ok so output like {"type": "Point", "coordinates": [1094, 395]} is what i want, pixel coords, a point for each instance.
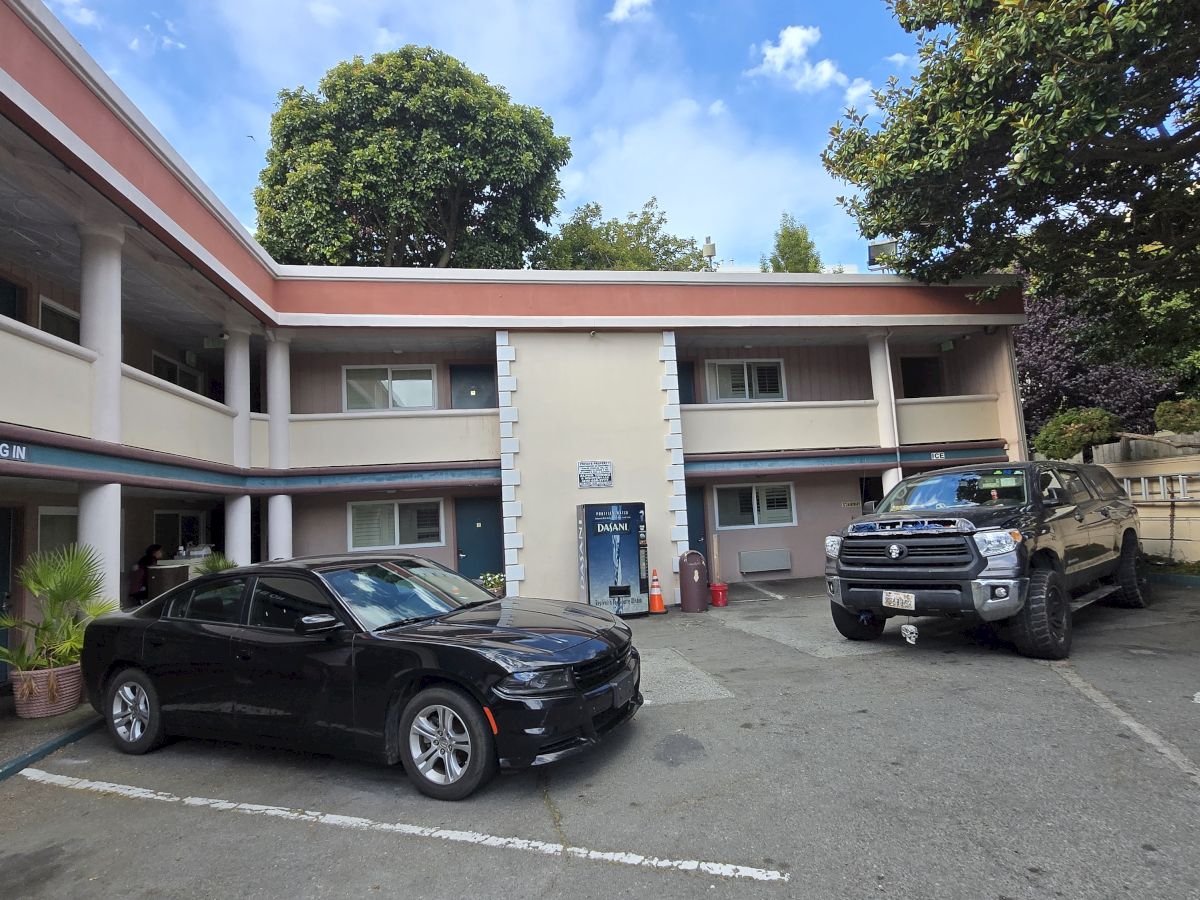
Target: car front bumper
{"type": "Point", "coordinates": [976, 598]}
{"type": "Point", "coordinates": [532, 731]}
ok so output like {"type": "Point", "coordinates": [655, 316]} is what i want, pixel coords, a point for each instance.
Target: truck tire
{"type": "Point", "coordinates": [852, 627]}
{"type": "Point", "coordinates": [1133, 591]}
{"type": "Point", "coordinates": [1042, 629]}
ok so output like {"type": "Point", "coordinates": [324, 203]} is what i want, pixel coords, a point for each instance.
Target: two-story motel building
{"type": "Point", "coordinates": [163, 380]}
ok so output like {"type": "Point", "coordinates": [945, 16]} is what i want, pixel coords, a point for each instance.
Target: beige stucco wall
{"type": "Point", "coordinates": [155, 418]}
{"type": "Point", "coordinates": [932, 420]}
{"type": "Point", "coordinates": [585, 397]}
{"type": "Point", "coordinates": [738, 427]}
{"type": "Point", "coordinates": [367, 439]}
{"type": "Point", "coordinates": [44, 387]}
{"type": "Point", "coordinates": [260, 441]}
{"type": "Point", "coordinates": [819, 511]}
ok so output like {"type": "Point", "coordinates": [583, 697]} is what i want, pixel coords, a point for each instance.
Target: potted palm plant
{"type": "Point", "coordinates": [66, 587]}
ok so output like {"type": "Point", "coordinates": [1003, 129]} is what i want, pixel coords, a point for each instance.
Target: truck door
{"type": "Point", "coordinates": [1094, 529]}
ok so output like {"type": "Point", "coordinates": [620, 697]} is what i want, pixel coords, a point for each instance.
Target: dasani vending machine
{"type": "Point", "coordinates": [613, 571]}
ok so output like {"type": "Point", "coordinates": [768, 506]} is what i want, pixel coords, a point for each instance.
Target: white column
{"type": "Point", "coordinates": [885, 396]}
{"type": "Point", "coordinates": [237, 528]}
{"type": "Point", "coordinates": [100, 322]}
{"type": "Point", "coordinates": [100, 528]}
{"type": "Point", "coordinates": [279, 405]}
{"type": "Point", "coordinates": [237, 397]}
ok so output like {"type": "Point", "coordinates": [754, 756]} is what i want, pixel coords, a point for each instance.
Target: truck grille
{"type": "Point", "coordinates": [925, 552]}
{"type": "Point", "coordinates": [597, 671]}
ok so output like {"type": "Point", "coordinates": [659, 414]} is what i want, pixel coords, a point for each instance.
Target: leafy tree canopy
{"type": "Point", "coordinates": [1042, 133]}
{"type": "Point", "coordinates": [640, 243]}
{"type": "Point", "coordinates": [794, 250]}
{"type": "Point", "coordinates": [410, 159]}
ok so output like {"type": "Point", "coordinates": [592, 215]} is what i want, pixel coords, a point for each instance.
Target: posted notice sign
{"type": "Point", "coordinates": [595, 473]}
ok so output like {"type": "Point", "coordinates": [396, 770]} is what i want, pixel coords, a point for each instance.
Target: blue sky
{"type": "Point", "coordinates": [720, 108]}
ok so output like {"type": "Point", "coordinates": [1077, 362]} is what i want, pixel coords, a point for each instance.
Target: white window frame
{"type": "Point", "coordinates": [55, 511]}
{"type": "Point", "coordinates": [713, 383]}
{"type": "Point", "coordinates": [44, 301]}
{"type": "Point", "coordinates": [755, 487]}
{"type": "Point", "coordinates": [180, 367]}
{"type": "Point", "coordinates": [395, 504]}
{"type": "Point", "coordinates": [431, 368]}
{"type": "Point", "coordinates": [201, 514]}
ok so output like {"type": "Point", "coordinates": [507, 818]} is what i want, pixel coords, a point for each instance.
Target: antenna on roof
{"type": "Point", "coordinates": [708, 251]}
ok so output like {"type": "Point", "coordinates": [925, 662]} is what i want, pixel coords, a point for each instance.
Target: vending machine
{"type": "Point", "coordinates": [613, 571]}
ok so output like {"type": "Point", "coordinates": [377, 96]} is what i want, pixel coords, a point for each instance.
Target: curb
{"type": "Point", "coordinates": [15, 765]}
{"type": "Point", "coordinates": [1192, 581]}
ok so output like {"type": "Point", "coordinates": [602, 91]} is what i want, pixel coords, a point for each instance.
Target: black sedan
{"type": "Point", "coordinates": [394, 658]}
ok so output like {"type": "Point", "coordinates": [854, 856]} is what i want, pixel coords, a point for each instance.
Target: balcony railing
{"type": "Point", "coordinates": [48, 381]}
{"type": "Point", "coordinates": [759, 427]}
{"type": "Point", "coordinates": [935, 420]}
{"type": "Point", "coordinates": [158, 415]}
{"type": "Point", "coordinates": [388, 438]}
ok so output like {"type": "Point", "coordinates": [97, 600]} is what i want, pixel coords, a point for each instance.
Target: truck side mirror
{"type": "Point", "coordinates": [868, 506]}
{"type": "Point", "coordinates": [1054, 497]}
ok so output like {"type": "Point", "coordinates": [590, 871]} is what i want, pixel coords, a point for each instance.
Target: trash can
{"type": "Point", "coordinates": [720, 593]}
{"type": "Point", "coordinates": [693, 582]}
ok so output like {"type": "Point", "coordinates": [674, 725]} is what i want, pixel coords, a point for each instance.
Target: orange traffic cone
{"type": "Point", "coordinates": [656, 599]}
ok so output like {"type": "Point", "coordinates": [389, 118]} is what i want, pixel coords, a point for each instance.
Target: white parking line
{"type": "Point", "coordinates": [1151, 737]}
{"type": "Point", "coordinates": [727, 870]}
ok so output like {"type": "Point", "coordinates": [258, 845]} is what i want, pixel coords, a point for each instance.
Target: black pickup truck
{"type": "Point", "coordinates": [1024, 545]}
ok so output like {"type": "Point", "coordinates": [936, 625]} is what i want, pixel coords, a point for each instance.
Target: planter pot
{"type": "Point", "coordinates": [47, 692]}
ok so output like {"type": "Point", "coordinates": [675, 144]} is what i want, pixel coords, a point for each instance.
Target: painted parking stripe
{"type": "Point", "coordinates": [726, 870]}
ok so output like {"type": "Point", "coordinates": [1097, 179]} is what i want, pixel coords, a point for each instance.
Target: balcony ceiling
{"type": "Point", "coordinates": [751, 338]}
{"type": "Point", "coordinates": [41, 203]}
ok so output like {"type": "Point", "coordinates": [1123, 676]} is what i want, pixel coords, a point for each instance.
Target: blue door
{"type": "Point", "coordinates": [695, 517]}
{"type": "Point", "coordinates": [8, 519]}
{"type": "Point", "coordinates": [480, 535]}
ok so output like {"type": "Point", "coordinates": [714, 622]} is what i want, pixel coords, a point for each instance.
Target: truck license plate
{"type": "Point", "coordinates": [899, 600]}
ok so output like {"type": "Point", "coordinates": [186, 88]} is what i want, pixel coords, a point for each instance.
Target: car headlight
{"type": "Point", "coordinates": [538, 681]}
{"type": "Point", "coordinates": [993, 543]}
{"type": "Point", "coordinates": [833, 546]}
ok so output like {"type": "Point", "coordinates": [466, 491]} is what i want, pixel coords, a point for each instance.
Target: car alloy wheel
{"type": "Point", "coordinates": [440, 744]}
{"type": "Point", "coordinates": [130, 712]}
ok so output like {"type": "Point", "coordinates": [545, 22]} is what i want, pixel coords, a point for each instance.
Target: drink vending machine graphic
{"type": "Point", "coordinates": [613, 571]}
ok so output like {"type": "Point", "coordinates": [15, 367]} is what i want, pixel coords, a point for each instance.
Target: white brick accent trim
{"type": "Point", "coordinates": [673, 447]}
{"type": "Point", "coordinates": [679, 533]}
{"type": "Point", "coordinates": [514, 541]}
{"type": "Point", "coordinates": [506, 429]}
{"type": "Point", "coordinates": [509, 414]}
{"type": "Point", "coordinates": [503, 368]}
{"type": "Point", "coordinates": [510, 445]}
{"type": "Point", "coordinates": [674, 441]}
{"type": "Point", "coordinates": [514, 508]}
{"type": "Point", "coordinates": [505, 353]}
{"type": "Point", "coordinates": [506, 384]}
{"type": "Point", "coordinates": [676, 503]}
{"type": "Point", "coordinates": [510, 475]}
{"type": "Point", "coordinates": [508, 493]}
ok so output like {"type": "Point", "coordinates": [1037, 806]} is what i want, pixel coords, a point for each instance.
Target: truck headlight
{"type": "Point", "coordinates": [538, 681]}
{"type": "Point", "coordinates": [993, 543]}
{"type": "Point", "coordinates": [833, 546]}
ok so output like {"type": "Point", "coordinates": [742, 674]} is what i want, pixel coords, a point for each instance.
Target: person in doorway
{"type": "Point", "coordinates": [139, 588]}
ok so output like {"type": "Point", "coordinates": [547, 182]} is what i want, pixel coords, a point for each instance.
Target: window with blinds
{"type": "Point", "coordinates": [746, 380]}
{"type": "Point", "coordinates": [755, 506]}
{"type": "Point", "coordinates": [392, 525]}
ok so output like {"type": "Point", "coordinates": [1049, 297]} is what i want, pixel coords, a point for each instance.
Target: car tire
{"type": "Point", "coordinates": [852, 627]}
{"type": "Point", "coordinates": [132, 712]}
{"type": "Point", "coordinates": [446, 746]}
{"type": "Point", "coordinates": [1042, 629]}
{"type": "Point", "coordinates": [1134, 592]}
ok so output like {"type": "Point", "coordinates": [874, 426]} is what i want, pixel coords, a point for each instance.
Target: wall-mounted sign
{"type": "Point", "coordinates": [937, 454]}
{"type": "Point", "coordinates": [851, 504]}
{"type": "Point", "coordinates": [13, 451]}
{"type": "Point", "coordinates": [595, 473]}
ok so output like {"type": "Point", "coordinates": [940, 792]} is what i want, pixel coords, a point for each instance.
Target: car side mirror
{"type": "Point", "coordinates": [868, 506]}
{"type": "Point", "coordinates": [321, 623]}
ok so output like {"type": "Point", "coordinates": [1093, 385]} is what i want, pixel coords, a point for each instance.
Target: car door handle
{"type": "Point", "coordinates": [156, 641]}
{"type": "Point", "coordinates": [1104, 512]}
{"type": "Point", "coordinates": [1079, 517]}
{"type": "Point", "coordinates": [244, 655]}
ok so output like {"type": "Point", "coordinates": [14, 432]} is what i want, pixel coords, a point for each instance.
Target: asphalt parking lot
{"type": "Point", "coordinates": [772, 759]}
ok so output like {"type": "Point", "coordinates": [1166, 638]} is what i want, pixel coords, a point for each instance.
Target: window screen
{"type": "Point", "coordinates": [764, 504]}
{"type": "Point", "coordinates": [281, 602]}
{"type": "Point", "coordinates": [378, 525]}
{"type": "Point", "coordinates": [372, 525]}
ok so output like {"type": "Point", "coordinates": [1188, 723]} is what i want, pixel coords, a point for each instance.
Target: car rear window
{"type": "Point", "coordinates": [219, 601]}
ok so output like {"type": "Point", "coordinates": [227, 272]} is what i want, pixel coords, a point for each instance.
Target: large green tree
{"type": "Point", "coordinates": [640, 242]}
{"type": "Point", "coordinates": [1059, 136]}
{"type": "Point", "coordinates": [409, 159]}
{"type": "Point", "coordinates": [794, 250]}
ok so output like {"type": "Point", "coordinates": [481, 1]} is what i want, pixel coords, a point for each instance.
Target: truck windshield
{"type": "Point", "coordinates": [951, 490]}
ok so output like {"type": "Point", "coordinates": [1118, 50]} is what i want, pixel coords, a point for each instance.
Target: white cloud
{"type": "Point", "coordinates": [134, 44]}
{"type": "Point", "coordinates": [717, 108]}
{"type": "Point", "coordinates": [623, 10]}
{"type": "Point", "coordinates": [77, 12]}
{"type": "Point", "coordinates": [788, 61]}
{"type": "Point", "coordinates": [325, 14]}
{"type": "Point", "coordinates": [859, 88]}
{"type": "Point", "coordinates": [901, 60]}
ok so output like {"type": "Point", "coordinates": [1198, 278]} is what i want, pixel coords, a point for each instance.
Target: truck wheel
{"type": "Point", "coordinates": [1042, 629]}
{"type": "Point", "coordinates": [852, 627]}
{"type": "Point", "coordinates": [1133, 591]}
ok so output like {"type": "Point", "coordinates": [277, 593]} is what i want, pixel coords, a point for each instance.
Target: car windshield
{"type": "Point", "coordinates": [956, 490]}
{"type": "Point", "coordinates": [383, 595]}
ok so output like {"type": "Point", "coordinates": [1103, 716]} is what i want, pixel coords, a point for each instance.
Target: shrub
{"type": "Point", "coordinates": [1179, 416]}
{"type": "Point", "coordinates": [1074, 430]}
{"type": "Point", "coordinates": [214, 563]}
{"type": "Point", "coordinates": [493, 581]}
